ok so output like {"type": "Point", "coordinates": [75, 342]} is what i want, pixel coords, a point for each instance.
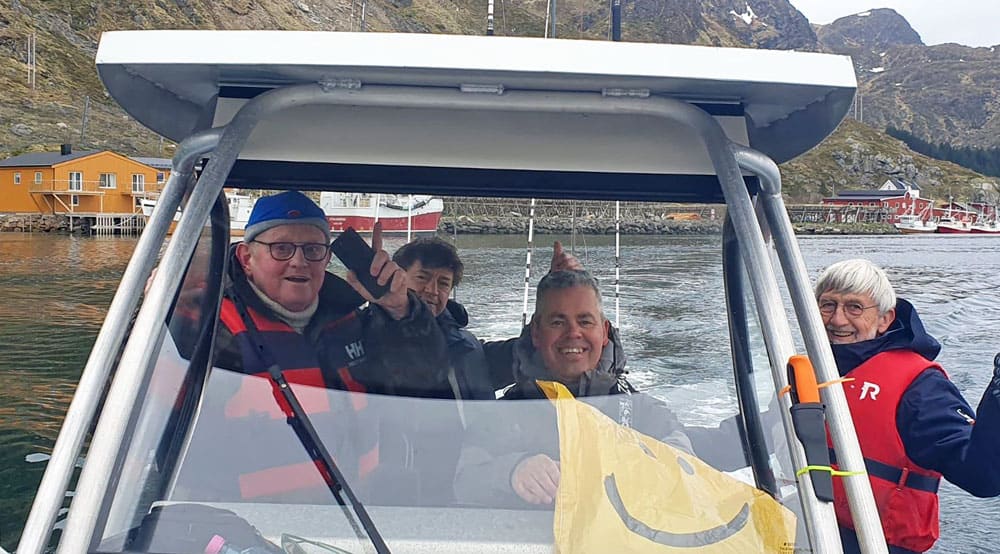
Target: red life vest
{"type": "Point", "coordinates": [259, 403]}
{"type": "Point", "coordinates": [905, 493]}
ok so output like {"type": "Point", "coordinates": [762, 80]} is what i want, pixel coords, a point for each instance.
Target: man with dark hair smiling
{"type": "Point", "coordinates": [569, 340]}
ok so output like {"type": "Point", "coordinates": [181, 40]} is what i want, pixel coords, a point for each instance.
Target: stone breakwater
{"type": "Point", "coordinates": [500, 225]}
{"type": "Point", "coordinates": [487, 216]}
{"type": "Point", "coordinates": [38, 223]}
{"type": "Point", "coordinates": [510, 225]}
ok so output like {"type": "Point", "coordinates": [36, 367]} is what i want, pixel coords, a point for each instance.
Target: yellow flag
{"type": "Point", "coordinates": [623, 492]}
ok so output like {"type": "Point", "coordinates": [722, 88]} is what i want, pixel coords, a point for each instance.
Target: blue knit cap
{"type": "Point", "coordinates": [288, 208]}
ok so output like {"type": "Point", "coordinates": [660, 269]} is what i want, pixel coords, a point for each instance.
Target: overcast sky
{"type": "Point", "coordinates": [969, 22]}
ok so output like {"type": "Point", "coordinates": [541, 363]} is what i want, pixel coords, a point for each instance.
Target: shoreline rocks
{"type": "Point", "coordinates": [40, 223]}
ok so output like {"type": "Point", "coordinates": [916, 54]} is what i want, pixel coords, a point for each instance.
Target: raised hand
{"type": "Point", "coordinates": [562, 260]}
{"type": "Point", "coordinates": [395, 301]}
{"type": "Point", "coordinates": [536, 479]}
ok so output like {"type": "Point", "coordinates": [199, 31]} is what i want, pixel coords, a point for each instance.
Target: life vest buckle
{"type": "Point", "coordinates": [902, 478]}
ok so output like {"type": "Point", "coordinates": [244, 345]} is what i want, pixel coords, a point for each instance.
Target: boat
{"type": "Point", "coordinates": [398, 213]}
{"type": "Point", "coordinates": [986, 225]}
{"type": "Point", "coordinates": [240, 206]}
{"type": "Point", "coordinates": [949, 225]}
{"type": "Point", "coordinates": [913, 224]}
{"type": "Point", "coordinates": [437, 116]}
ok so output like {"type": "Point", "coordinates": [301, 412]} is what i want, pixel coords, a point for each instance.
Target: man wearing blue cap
{"type": "Point", "coordinates": [282, 307]}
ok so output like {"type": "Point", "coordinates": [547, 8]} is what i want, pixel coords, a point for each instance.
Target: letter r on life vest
{"type": "Point", "coordinates": [870, 390]}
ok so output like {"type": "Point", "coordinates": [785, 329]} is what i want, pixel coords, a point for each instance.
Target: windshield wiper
{"type": "Point", "coordinates": [313, 444]}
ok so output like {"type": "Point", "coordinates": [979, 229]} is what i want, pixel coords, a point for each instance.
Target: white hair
{"type": "Point", "coordinates": [858, 276]}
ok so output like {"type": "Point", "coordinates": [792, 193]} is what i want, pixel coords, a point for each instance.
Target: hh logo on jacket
{"type": "Point", "coordinates": [355, 350]}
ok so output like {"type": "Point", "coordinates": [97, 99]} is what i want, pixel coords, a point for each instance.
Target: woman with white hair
{"type": "Point", "coordinates": [913, 424]}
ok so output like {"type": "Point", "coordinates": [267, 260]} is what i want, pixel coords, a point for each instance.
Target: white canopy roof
{"type": "Point", "coordinates": [177, 82]}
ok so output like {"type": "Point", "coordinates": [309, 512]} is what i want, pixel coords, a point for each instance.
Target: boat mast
{"type": "Point", "coordinates": [409, 218]}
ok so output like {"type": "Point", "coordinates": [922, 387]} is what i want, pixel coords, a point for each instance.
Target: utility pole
{"type": "Point", "coordinates": [364, 6]}
{"type": "Point", "coordinates": [83, 122]}
{"type": "Point", "coordinates": [32, 41]}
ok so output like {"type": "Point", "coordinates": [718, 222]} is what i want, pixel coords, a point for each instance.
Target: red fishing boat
{"type": "Point", "coordinates": [398, 213]}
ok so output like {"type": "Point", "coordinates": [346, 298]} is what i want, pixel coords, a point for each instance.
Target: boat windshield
{"type": "Point", "coordinates": [212, 458]}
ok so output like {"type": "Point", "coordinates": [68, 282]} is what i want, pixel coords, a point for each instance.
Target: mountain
{"type": "Point", "coordinates": [867, 35]}
{"type": "Point", "coordinates": [944, 92]}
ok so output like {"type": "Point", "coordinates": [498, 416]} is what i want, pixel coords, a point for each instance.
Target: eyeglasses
{"type": "Point", "coordinates": [851, 309]}
{"type": "Point", "coordinates": [282, 251]}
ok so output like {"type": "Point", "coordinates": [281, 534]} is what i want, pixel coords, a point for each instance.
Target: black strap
{"type": "Point", "coordinates": [896, 475]}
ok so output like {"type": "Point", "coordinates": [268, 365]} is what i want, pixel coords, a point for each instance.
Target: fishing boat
{"type": "Point", "coordinates": [399, 213]}
{"type": "Point", "coordinates": [949, 225]}
{"type": "Point", "coordinates": [986, 225]}
{"type": "Point", "coordinates": [436, 116]}
{"type": "Point", "coordinates": [912, 224]}
{"type": "Point", "coordinates": [240, 206]}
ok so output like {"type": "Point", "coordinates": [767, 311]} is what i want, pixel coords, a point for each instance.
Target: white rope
{"type": "Point", "coordinates": [618, 265]}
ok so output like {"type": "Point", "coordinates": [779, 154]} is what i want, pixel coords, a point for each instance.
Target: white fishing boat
{"type": "Point", "coordinates": [445, 115]}
{"type": "Point", "coordinates": [240, 206]}
{"type": "Point", "coordinates": [399, 213]}
{"type": "Point", "coordinates": [912, 224]}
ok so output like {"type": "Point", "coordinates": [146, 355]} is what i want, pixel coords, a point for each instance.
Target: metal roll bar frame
{"type": "Point", "coordinates": [728, 159]}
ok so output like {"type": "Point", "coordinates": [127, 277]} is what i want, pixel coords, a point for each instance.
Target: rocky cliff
{"type": "Point", "coordinates": [944, 92]}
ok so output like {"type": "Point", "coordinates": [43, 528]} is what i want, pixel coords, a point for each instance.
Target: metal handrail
{"type": "Point", "coordinates": [52, 489]}
{"type": "Point", "coordinates": [845, 440]}
{"type": "Point", "coordinates": [123, 395]}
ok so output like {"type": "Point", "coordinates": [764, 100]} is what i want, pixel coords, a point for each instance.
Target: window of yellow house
{"type": "Point", "coordinates": [17, 178]}
{"type": "Point", "coordinates": [138, 182]}
{"type": "Point", "coordinates": [38, 177]}
{"type": "Point", "coordinates": [160, 177]}
{"type": "Point", "coordinates": [75, 180]}
{"type": "Point", "coordinates": [108, 181]}
{"type": "Point", "coordinates": [74, 200]}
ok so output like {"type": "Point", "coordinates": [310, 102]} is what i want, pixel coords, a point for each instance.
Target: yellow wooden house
{"type": "Point", "coordinates": [85, 183]}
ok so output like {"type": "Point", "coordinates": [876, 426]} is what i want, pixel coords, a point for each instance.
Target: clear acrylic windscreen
{"type": "Point", "coordinates": [437, 475]}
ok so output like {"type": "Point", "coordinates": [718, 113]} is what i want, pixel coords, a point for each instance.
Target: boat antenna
{"type": "Point", "coordinates": [489, 18]}
{"type": "Point", "coordinates": [616, 20]}
{"type": "Point", "coordinates": [527, 262]}
{"type": "Point", "coordinates": [550, 19]}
